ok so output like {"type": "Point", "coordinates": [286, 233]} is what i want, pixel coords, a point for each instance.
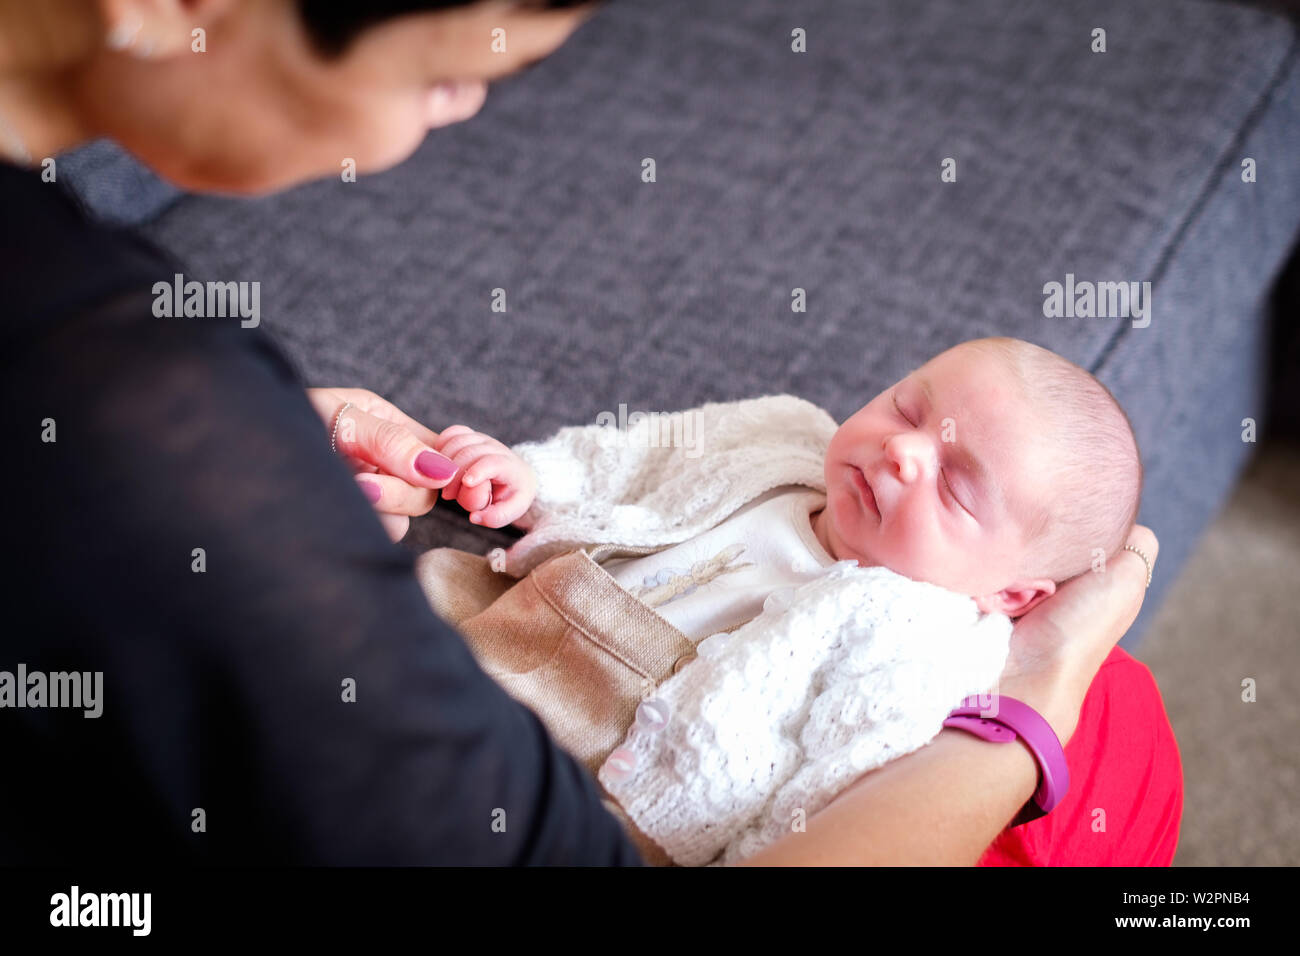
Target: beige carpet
{"type": "Point", "coordinates": [1233, 614]}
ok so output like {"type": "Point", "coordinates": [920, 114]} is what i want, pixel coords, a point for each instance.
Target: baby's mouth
{"type": "Point", "coordinates": [864, 491]}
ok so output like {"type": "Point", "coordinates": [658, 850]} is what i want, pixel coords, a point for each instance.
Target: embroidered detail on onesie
{"type": "Point", "coordinates": [670, 584]}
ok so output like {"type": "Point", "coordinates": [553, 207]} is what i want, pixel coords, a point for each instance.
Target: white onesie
{"type": "Point", "coordinates": [720, 579]}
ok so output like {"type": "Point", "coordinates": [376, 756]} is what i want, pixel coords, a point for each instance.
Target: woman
{"type": "Point", "coordinates": [274, 686]}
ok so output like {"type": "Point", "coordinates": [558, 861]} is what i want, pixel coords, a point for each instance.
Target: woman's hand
{"type": "Point", "coordinates": [1058, 647]}
{"type": "Point", "coordinates": [394, 457]}
{"type": "Point", "coordinates": [942, 805]}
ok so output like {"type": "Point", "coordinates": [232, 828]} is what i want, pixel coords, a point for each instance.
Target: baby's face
{"type": "Point", "coordinates": [932, 484]}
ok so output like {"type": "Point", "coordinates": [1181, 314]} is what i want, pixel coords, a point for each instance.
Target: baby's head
{"type": "Point", "coordinates": [995, 470]}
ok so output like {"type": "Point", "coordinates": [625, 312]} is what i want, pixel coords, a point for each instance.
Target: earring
{"type": "Point", "coordinates": [125, 34]}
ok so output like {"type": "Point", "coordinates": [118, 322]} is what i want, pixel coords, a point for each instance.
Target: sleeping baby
{"type": "Point", "coordinates": [728, 635]}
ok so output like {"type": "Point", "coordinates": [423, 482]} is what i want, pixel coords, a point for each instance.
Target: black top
{"type": "Point", "coordinates": [223, 689]}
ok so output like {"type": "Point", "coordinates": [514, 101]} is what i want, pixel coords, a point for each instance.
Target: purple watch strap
{"type": "Point", "coordinates": [1005, 719]}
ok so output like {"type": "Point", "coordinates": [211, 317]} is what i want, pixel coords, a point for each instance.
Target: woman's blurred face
{"type": "Point", "coordinates": [261, 109]}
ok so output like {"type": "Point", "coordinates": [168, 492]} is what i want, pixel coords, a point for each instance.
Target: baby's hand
{"type": "Point", "coordinates": [493, 484]}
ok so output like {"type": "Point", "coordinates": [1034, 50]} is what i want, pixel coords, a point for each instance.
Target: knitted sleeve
{"type": "Point", "coordinates": [665, 476]}
{"type": "Point", "coordinates": [833, 679]}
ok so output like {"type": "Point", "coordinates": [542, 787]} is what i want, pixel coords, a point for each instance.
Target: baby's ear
{"type": "Point", "coordinates": [1018, 599]}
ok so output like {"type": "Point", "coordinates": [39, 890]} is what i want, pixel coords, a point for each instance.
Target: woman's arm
{"type": "Point", "coordinates": [941, 805]}
{"type": "Point", "coordinates": [944, 804]}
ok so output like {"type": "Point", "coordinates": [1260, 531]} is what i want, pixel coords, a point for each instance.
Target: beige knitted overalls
{"type": "Point", "coordinates": [568, 642]}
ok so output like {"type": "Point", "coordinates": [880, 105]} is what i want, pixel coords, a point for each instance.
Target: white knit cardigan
{"type": "Point", "coordinates": [772, 721]}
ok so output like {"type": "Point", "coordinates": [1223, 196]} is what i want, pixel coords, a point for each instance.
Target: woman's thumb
{"type": "Point", "coordinates": [392, 448]}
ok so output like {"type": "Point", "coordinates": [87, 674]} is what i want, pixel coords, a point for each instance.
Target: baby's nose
{"type": "Point", "coordinates": [912, 457]}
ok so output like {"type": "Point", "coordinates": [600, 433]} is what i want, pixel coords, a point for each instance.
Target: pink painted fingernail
{"type": "Point", "coordinates": [371, 490]}
{"type": "Point", "coordinates": [435, 466]}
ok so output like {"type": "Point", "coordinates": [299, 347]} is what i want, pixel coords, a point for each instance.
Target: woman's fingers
{"type": "Point", "coordinates": [395, 525]}
{"type": "Point", "coordinates": [393, 457]}
{"type": "Point", "coordinates": [393, 448]}
{"type": "Point", "coordinates": [388, 410]}
{"type": "Point", "coordinates": [464, 447]}
{"type": "Point", "coordinates": [1134, 572]}
{"type": "Point", "coordinates": [396, 497]}
{"type": "Point", "coordinates": [1058, 647]}
{"type": "Point", "coordinates": [1096, 604]}
{"type": "Point", "coordinates": [328, 401]}
{"type": "Point", "coordinates": [1122, 588]}
{"type": "Point", "coordinates": [1144, 539]}
{"type": "Point", "coordinates": [463, 451]}
{"type": "Point", "coordinates": [398, 462]}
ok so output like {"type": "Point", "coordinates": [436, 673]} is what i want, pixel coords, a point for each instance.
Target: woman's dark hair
{"type": "Point", "coordinates": [333, 24]}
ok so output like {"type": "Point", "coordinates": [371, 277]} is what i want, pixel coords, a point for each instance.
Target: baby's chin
{"type": "Point", "coordinates": [845, 544]}
{"type": "Point", "coordinates": [846, 547]}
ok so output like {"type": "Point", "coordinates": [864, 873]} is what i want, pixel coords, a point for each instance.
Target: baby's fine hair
{"type": "Point", "coordinates": [1095, 479]}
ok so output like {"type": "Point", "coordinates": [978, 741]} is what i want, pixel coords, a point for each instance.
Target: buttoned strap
{"type": "Point", "coordinates": [589, 598]}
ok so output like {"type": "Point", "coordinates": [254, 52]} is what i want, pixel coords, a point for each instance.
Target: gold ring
{"type": "Point", "coordinates": [335, 433]}
{"type": "Point", "coordinates": [1145, 560]}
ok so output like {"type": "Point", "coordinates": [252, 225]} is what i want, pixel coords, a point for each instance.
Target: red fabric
{"type": "Point", "coordinates": [1124, 760]}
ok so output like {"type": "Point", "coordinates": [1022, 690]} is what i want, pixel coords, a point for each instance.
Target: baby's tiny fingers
{"type": "Point", "coordinates": [502, 511]}
{"type": "Point", "coordinates": [452, 491]}
{"type": "Point", "coordinates": [448, 433]}
{"type": "Point", "coordinates": [474, 499]}
{"type": "Point", "coordinates": [491, 466]}
{"type": "Point", "coordinates": [460, 444]}
{"type": "Point", "coordinates": [462, 459]}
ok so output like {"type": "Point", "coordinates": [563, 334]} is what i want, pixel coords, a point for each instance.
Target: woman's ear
{"type": "Point", "coordinates": [1018, 599]}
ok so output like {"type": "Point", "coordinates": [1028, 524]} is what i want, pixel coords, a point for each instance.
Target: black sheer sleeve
{"type": "Point", "coordinates": [224, 688]}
